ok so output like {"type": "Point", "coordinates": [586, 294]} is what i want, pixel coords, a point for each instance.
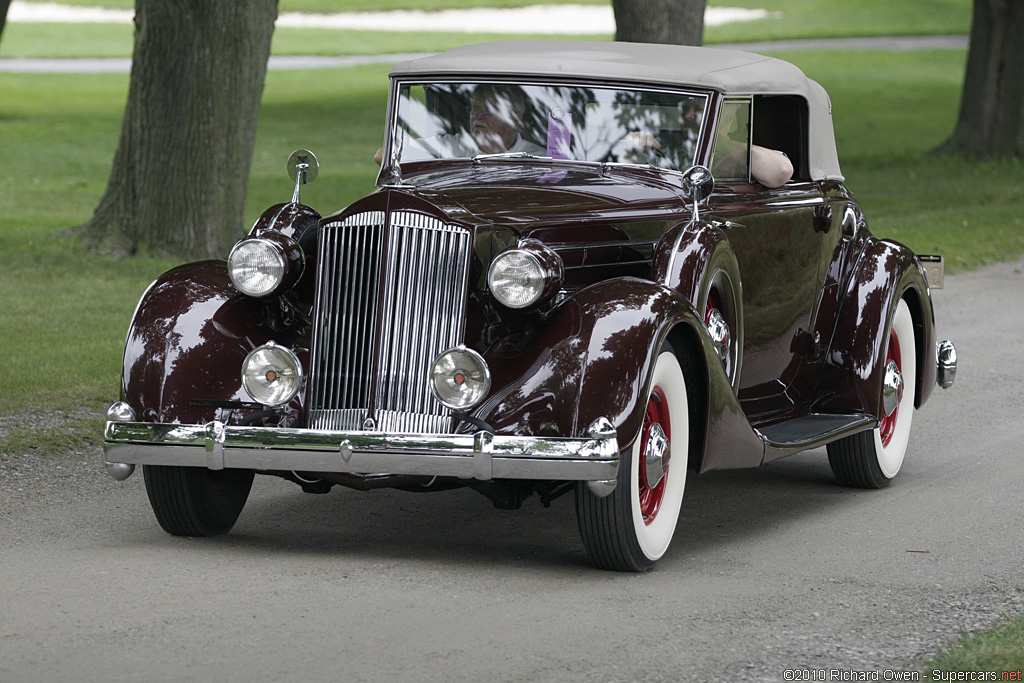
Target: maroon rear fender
{"type": "Point", "coordinates": [851, 380]}
{"type": "Point", "coordinates": [187, 341]}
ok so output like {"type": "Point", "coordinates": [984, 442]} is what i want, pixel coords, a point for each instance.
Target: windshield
{"type": "Point", "coordinates": [584, 123]}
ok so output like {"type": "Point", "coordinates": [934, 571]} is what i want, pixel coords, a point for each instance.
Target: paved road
{"type": "Point", "coordinates": [293, 62]}
{"type": "Point", "coordinates": [771, 569]}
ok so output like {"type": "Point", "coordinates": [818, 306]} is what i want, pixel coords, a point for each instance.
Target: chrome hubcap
{"type": "Point", "coordinates": [718, 329]}
{"type": "Point", "coordinates": [656, 455]}
{"type": "Point", "coordinates": [892, 388]}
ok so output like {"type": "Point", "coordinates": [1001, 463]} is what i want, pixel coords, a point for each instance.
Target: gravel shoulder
{"type": "Point", "coordinates": [772, 569]}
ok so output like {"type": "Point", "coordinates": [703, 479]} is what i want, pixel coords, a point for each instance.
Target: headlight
{"type": "Point", "coordinates": [271, 374]}
{"type": "Point", "coordinates": [460, 378]}
{"type": "Point", "coordinates": [264, 265]}
{"type": "Point", "coordinates": [526, 275]}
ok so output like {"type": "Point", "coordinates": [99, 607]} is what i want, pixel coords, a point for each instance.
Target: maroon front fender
{"type": "Point", "coordinates": [189, 336]}
{"type": "Point", "coordinates": [594, 357]}
{"type": "Point", "coordinates": [688, 257]}
{"type": "Point", "coordinates": [695, 259]}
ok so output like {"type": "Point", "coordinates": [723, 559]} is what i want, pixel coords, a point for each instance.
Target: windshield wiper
{"type": "Point", "coordinates": [510, 155]}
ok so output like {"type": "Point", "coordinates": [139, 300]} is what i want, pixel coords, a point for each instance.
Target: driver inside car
{"type": "Point", "coordinates": [493, 126]}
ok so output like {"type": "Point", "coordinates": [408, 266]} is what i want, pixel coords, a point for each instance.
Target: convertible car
{"type": "Point", "coordinates": [594, 268]}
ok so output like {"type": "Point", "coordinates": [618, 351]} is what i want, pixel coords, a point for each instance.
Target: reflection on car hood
{"type": "Point", "coordinates": [523, 194]}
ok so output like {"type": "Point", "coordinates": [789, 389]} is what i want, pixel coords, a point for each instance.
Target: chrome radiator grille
{"type": "Point", "coordinates": [391, 296]}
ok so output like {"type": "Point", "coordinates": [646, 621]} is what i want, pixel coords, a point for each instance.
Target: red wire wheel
{"type": "Point", "coordinates": [887, 425]}
{"type": "Point", "coordinates": [657, 413]}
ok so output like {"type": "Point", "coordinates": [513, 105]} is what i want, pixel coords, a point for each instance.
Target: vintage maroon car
{"type": "Point", "coordinates": [587, 267]}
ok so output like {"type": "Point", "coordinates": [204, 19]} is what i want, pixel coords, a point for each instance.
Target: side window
{"type": "Point", "coordinates": [730, 159]}
{"type": "Point", "coordinates": [780, 123]}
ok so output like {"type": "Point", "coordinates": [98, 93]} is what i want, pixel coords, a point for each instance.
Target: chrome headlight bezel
{"type": "Point", "coordinates": [526, 275]}
{"type": "Point", "coordinates": [272, 374]}
{"type": "Point", "coordinates": [460, 378]}
{"type": "Point", "coordinates": [265, 265]}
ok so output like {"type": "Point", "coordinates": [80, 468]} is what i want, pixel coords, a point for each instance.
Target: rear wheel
{"type": "Point", "coordinates": [630, 529]}
{"type": "Point", "coordinates": [872, 459]}
{"type": "Point", "coordinates": [195, 501]}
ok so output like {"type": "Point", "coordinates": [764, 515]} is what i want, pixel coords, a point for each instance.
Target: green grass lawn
{"type": "Point", "coordinates": [995, 650]}
{"type": "Point", "coordinates": [889, 111]}
{"type": "Point", "coordinates": [787, 19]}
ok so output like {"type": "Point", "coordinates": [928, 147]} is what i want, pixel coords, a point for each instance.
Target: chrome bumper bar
{"type": "Point", "coordinates": [483, 455]}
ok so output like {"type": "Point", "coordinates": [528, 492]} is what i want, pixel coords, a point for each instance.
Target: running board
{"type": "Point", "coordinates": [810, 431]}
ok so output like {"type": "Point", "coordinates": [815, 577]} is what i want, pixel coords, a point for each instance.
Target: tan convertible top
{"type": "Point", "coordinates": [731, 72]}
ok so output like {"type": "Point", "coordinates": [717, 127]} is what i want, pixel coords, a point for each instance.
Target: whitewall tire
{"type": "Point", "coordinates": [631, 529]}
{"type": "Point", "coordinates": [871, 459]}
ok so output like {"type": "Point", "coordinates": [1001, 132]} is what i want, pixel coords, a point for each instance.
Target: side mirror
{"type": "Point", "coordinates": [302, 168]}
{"type": "Point", "coordinates": [697, 185]}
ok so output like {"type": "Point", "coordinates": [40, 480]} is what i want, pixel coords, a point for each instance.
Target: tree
{"type": "Point", "coordinates": [991, 121]}
{"type": "Point", "coordinates": [677, 22]}
{"type": "Point", "coordinates": [180, 172]}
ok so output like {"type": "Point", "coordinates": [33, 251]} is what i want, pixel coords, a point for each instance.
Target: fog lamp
{"type": "Point", "coordinates": [271, 374]}
{"type": "Point", "coordinates": [460, 378]}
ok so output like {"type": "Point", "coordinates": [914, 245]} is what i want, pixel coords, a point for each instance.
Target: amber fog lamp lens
{"type": "Point", "coordinates": [271, 374]}
{"type": "Point", "coordinates": [460, 378]}
{"type": "Point", "coordinates": [516, 279]}
{"type": "Point", "coordinates": [256, 267]}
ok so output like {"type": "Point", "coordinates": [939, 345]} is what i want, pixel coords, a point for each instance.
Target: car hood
{"type": "Point", "coordinates": [521, 196]}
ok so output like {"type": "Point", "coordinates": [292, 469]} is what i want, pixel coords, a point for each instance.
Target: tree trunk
{"type": "Point", "coordinates": [4, 6]}
{"type": "Point", "coordinates": [991, 122]}
{"type": "Point", "coordinates": [181, 168]}
{"type": "Point", "coordinates": [676, 22]}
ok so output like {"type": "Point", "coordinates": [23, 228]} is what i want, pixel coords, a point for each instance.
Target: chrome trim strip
{"type": "Point", "coordinates": [675, 250]}
{"type": "Point", "coordinates": [481, 456]}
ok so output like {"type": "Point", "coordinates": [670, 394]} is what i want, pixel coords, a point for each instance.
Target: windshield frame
{"type": "Point", "coordinates": [393, 166]}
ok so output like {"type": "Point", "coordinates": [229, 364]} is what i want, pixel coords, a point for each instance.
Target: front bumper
{"type": "Point", "coordinates": [483, 455]}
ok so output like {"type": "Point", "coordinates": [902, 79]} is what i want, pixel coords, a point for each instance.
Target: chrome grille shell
{"type": "Point", "coordinates": [391, 296]}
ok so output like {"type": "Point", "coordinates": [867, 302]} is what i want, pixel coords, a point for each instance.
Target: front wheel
{"type": "Point", "coordinates": [195, 501]}
{"type": "Point", "coordinates": [630, 529]}
{"type": "Point", "coordinates": [871, 459]}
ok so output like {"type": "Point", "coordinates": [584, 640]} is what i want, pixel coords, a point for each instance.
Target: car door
{"type": "Point", "coordinates": [782, 252]}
